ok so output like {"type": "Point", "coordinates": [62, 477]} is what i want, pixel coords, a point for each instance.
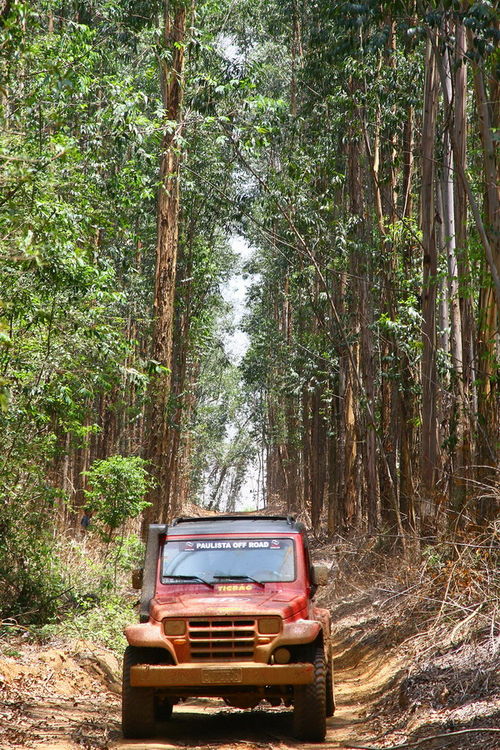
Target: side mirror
{"type": "Point", "coordinates": [319, 574]}
{"type": "Point", "coordinates": [137, 578]}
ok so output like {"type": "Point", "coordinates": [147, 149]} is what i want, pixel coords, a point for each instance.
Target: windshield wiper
{"type": "Point", "coordinates": [230, 577]}
{"type": "Point", "coordinates": [191, 578]}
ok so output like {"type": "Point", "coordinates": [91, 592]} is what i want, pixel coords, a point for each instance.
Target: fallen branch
{"type": "Point", "coordinates": [424, 739]}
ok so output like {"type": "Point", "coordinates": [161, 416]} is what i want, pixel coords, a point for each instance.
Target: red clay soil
{"type": "Point", "coordinates": [62, 699]}
{"type": "Point", "coordinates": [396, 687]}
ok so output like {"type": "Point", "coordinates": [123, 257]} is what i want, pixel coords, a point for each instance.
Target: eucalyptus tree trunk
{"type": "Point", "coordinates": [181, 396]}
{"type": "Point", "coordinates": [447, 187]}
{"type": "Point", "coordinates": [489, 300]}
{"type": "Point", "coordinates": [405, 399]}
{"type": "Point", "coordinates": [390, 150]}
{"type": "Point", "coordinates": [408, 164]}
{"type": "Point", "coordinates": [290, 452]}
{"type": "Point", "coordinates": [333, 460]}
{"type": "Point", "coordinates": [488, 109]}
{"type": "Point", "coordinates": [278, 477]}
{"type": "Point", "coordinates": [468, 379]}
{"type": "Point", "coordinates": [173, 483]}
{"type": "Point", "coordinates": [171, 62]}
{"type": "Point", "coordinates": [275, 480]}
{"type": "Point", "coordinates": [318, 462]}
{"type": "Point", "coordinates": [352, 379]}
{"type": "Point", "coordinates": [296, 55]}
{"type": "Point", "coordinates": [292, 456]}
{"type": "Point", "coordinates": [380, 480]}
{"type": "Point", "coordinates": [306, 447]}
{"type": "Point", "coordinates": [347, 445]}
{"type": "Point", "coordinates": [429, 446]}
{"type": "Point", "coordinates": [364, 282]}
{"type": "Point", "coordinates": [181, 493]}
{"type": "Point", "coordinates": [372, 495]}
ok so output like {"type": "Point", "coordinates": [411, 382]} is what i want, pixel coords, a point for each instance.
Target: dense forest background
{"type": "Point", "coordinates": [354, 147]}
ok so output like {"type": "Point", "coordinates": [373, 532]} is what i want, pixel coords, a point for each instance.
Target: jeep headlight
{"type": "Point", "coordinates": [270, 625]}
{"type": "Point", "coordinates": [174, 627]}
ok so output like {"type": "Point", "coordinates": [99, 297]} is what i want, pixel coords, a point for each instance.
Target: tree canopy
{"type": "Point", "coordinates": [355, 148]}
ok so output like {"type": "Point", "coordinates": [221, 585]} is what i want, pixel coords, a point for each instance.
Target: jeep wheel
{"type": "Point", "coordinates": [138, 704]}
{"type": "Point", "coordinates": [330, 690]}
{"type": "Point", "coordinates": [310, 704]}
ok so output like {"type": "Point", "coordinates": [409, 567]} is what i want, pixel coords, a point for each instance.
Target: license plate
{"type": "Point", "coordinates": [221, 675]}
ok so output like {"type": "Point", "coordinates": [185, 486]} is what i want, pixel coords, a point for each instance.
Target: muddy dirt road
{"type": "Point", "coordinates": [56, 704]}
{"type": "Point", "coordinates": [66, 696]}
{"type": "Point", "coordinates": [209, 724]}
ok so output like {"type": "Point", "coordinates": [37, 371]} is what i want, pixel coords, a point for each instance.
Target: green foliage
{"type": "Point", "coordinates": [94, 605]}
{"type": "Point", "coordinates": [434, 558]}
{"type": "Point", "coordinates": [116, 489]}
{"type": "Point", "coordinates": [91, 573]}
{"type": "Point", "coordinates": [276, 95]}
{"type": "Point", "coordinates": [32, 576]}
{"type": "Point", "coordinates": [82, 121]}
{"type": "Point", "coordinates": [101, 623]}
{"type": "Point", "coordinates": [131, 553]}
{"type": "Point", "coordinates": [78, 147]}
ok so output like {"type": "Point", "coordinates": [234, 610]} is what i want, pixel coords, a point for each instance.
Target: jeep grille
{"type": "Point", "coordinates": [222, 639]}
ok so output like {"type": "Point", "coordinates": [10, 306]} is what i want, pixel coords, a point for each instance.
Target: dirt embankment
{"type": "Point", "coordinates": [60, 697]}
{"type": "Point", "coordinates": [395, 687]}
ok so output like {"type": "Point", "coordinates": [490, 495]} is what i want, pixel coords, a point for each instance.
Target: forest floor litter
{"type": "Point", "coordinates": [400, 683]}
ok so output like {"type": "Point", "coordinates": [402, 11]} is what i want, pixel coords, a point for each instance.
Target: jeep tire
{"type": "Point", "coordinates": [330, 689]}
{"type": "Point", "coordinates": [310, 702]}
{"type": "Point", "coordinates": [138, 703]}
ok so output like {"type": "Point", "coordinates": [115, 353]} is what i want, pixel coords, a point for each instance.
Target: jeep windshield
{"type": "Point", "coordinates": [222, 560]}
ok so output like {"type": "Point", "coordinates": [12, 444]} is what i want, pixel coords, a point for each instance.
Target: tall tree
{"type": "Point", "coordinates": [171, 57]}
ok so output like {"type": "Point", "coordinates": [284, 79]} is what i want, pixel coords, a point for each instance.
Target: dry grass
{"type": "Point", "coordinates": [438, 610]}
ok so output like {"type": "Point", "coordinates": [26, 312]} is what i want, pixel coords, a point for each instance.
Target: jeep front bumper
{"type": "Point", "coordinates": [236, 673]}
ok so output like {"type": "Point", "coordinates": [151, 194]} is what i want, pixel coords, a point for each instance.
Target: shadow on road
{"type": "Point", "coordinates": [211, 723]}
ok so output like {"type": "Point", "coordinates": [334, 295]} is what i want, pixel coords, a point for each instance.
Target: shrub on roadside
{"type": "Point", "coordinates": [116, 489]}
{"type": "Point", "coordinates": [30, 570]}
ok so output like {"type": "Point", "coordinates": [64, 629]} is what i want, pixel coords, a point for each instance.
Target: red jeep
{"type": "Point", "coordinates": [227, 611]}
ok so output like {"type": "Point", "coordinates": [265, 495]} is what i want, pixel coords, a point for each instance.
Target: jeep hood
{"type": "Point", "coordinates": [286, 604]}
